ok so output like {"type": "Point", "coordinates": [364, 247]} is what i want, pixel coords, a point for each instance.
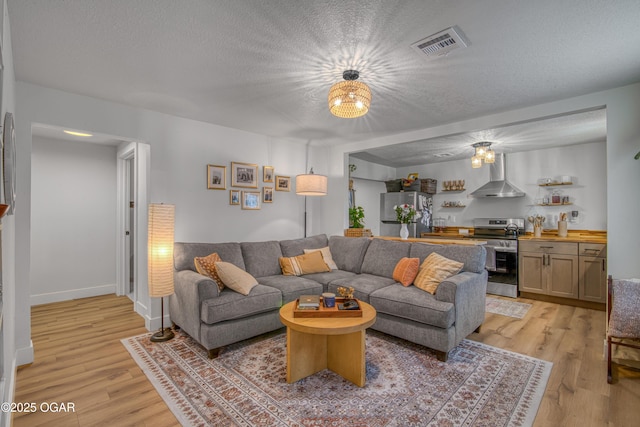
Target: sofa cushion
{"type": "Point", "coordinates": [297, 246]}
{"type": "Point", "coordinates": [326, 278]}
{"type": "Point", "coordinates": [383, 255]}
{"type": "Point", "coordinates": [292, 286]}
{"type": "Point", "coordinates": [261, 258]}
{"type": "Point", "coordinates": [363, 285]}
{"type": "Point", "coordinates": [207, 267]}
{"type": "Point", "coordinates": [304, 264]}
{"type": "Point", "coordinates": [231, 305]}
{"type": "Point", "coordinates": [184, 254]}
{"type": "Point", "coordinates": [435, 269]}
{"type": "Point", "coordinates": [326, 256]}
{"type": "Point", "coordinates": [473, 257]}
{"type": "Point", "coordinates": [348, 252]}
{"type": "Point", "coordinates": [406, 270]}
{"type": "Point", "coordinates": [413, 304]}
{"type": "Point", "coordinates": [235, 278]}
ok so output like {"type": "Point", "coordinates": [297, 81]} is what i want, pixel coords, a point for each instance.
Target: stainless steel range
{"type": "Point", "coordinates": [501, 235]}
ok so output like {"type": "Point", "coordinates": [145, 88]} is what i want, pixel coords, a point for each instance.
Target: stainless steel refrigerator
{"type": "Point", "coordinates": [389, 225]}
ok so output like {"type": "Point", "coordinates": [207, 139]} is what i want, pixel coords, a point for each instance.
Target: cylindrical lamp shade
{"type": "Point", "coordinates": [160, 249]}
{"type": "Point", "coordinates": [311, 185]}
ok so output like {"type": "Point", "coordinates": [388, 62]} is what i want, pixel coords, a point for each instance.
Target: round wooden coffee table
{"type": "Point", "coordinates": [335, 343]}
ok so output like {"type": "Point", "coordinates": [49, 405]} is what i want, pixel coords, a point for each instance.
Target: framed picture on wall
{"type": "Point", "coordinates": [250, 200]}
{"type": "Point", "coordinates": [283, 183]}
{"type": "Point", "coordinates": [267, 173]}
{"type": "Point", "coordinates": [244, 175]}
{"type": "Point", "coordinates": [216, 177]}
{"type": "Point", "coordinates": [234, 197]}
{"type": "Point", "coordinates": [267, 194]}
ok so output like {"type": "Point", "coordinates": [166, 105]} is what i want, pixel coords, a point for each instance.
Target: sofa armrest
{"type": "Point", "coordinates": [190, 289]}
{"type": "Point", "coordinates": [467, 291]}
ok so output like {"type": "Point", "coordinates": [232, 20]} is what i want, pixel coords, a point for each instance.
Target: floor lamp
{"type": "Point", "coordinates": [310, 185]}
{"type": "Point", "coordinates": [160, 259]}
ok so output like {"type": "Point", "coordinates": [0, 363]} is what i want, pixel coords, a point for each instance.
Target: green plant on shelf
{"type": "Point", "coordinates": [356, 217]}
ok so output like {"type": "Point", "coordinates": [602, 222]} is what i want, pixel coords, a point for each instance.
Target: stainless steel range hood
{"type": "Point", "coordinates": [497, 186]}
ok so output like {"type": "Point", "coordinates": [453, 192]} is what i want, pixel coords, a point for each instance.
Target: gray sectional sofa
{"type": "Point", "coordinates": [218, 318]}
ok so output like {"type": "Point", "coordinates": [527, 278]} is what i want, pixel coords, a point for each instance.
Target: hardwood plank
{"type": "Point", "coordinates": [79, 358]}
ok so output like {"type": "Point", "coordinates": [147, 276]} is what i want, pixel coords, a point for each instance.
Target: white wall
{"type": "Point", "coordinates": [10, 307]}
{"type": "Point", "coordinates": [587, 163]}
{"type": "Point", "coordinates": [73, 219]}
{"type": "Point", "coordinates": [180, 151]}
{"type": "Point", "coordinates": [623, 142]}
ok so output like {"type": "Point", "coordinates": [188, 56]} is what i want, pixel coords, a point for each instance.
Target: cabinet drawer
{"type": "Point", "coordinates": [548, 247]}
{"type": "Point", "coordinates": [593, 249]}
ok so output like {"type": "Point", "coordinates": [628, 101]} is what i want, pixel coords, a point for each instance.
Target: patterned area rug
{"type": "Point", "coordinates": [406, 385]}
{"type": "Point", "coordinates": [507, 308]}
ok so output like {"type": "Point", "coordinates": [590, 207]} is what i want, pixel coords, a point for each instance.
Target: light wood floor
{"type": "Point", "coordinates": [79, 359]}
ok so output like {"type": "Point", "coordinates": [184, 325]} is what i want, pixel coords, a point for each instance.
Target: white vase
{"type": "Point", "coordinates": [404, 231]}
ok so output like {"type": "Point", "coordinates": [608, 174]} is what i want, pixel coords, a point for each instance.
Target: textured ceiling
{"type": "Point", "coordinates": [265, 66]}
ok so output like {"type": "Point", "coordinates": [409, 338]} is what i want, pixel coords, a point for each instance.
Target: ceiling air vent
{"type": "Point", "coordinates": [441, 43]}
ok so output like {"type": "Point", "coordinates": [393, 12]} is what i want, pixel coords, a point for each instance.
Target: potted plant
{"type": "Point", "coordinates": [356, 223]}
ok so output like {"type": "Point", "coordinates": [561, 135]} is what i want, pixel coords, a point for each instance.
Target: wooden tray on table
{"type": "Point", "coordinates": [324, 312]}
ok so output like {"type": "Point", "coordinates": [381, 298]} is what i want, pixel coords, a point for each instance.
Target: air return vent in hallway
{"type": "Point", "coordinates": [441, 43]}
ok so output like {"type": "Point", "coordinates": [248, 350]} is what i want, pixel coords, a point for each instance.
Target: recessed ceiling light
{"type": "Point", "coordinates": [443, 155]}
{"type": "Point", "coordinates": [74, 133]}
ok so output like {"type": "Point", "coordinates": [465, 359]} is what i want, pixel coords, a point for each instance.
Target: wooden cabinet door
{"type": "Point", "coordinates": [532, 273]}
{"type": "Point", "coordinates": [593, 279]}
{"type": "Point", "coordinates": [563, 275]}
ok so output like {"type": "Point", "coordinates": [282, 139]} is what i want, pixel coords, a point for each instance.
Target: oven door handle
{"type": "Point", "coordinates": [505, 249]}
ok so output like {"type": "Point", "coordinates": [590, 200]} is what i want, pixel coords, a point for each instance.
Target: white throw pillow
{"type": "Point", "coordinates": [326, 256]}
{"type": "Point", "coordinates": [235, 278]}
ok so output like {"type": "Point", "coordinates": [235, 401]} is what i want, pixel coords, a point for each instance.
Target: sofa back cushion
{"type": "Point", "coordinates": [261, 258]}
{"type": "Point", "coordinates": [185, 253]}
{"type": "Point", "coordinates": [297, 246]}
{"type": "Point", "coordinates": [383, 255]}
{"type": "Point", "coordinates": [348, 252]}
{"type": "Point", "coordinates": [473, 257]}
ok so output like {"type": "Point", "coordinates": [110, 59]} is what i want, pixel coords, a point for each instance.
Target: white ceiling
{"type": "Point", "coordinates": [265, 66]}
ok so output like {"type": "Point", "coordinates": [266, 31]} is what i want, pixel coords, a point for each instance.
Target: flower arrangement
{"type": "Point", "coordinates": [405, 213]}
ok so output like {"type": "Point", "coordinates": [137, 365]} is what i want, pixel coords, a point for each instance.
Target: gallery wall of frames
{"type": "Point", "coordinates": [248, 189]}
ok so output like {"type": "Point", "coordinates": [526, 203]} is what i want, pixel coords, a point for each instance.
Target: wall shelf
{"type": "Point", "coordinates": [555, 184]}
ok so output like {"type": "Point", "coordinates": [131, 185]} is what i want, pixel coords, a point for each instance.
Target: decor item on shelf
{"type": "Point", "coordinates": [349, 99]}
{"type": "Point", "coordinates": [455, 185]}
{"type": "Point", "coordinates": [405, 213]}
{"type": "Point", "coordinates": [160, 260]}
{"type": "Point", "coordinates": [484, 152]}
{"type": "Point", "coordinates": [308, 185]}
{"type": "Point", "coordinates": [537, 221]}
{"type": "Point", "coordinates": [356, 217]}
{"type": "Point", "coordinates": [404, 231]}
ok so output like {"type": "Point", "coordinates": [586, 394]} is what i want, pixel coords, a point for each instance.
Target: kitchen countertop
{"type": "Point", "coordinates": [572, 237]}
{"type": "Point", "coordinates": [437, 241]}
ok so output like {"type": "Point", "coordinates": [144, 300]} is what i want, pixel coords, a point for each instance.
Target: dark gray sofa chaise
{"type": "Point", "coordinates": [439, 321]}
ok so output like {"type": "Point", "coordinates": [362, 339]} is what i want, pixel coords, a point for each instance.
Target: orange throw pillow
{"type": "Point", "coordinates": [406, 270]}
{"type": "Point", "coordinates": [207, 267]}
{"type": "Point", "coordinates": [435, 269]}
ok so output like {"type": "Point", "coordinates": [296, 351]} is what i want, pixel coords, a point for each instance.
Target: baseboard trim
{"type": "Point", "coordinates": [72, 294]}
{"type": "Point", "coordinates": [25, 355]}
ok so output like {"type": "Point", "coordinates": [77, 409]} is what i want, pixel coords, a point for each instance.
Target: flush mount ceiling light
{"type": "Point", "coordinates": [349, 99]}
{"type": "Point", "coordinates": [483, 152]}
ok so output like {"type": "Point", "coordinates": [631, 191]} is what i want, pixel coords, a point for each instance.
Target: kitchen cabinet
{"type": "Point", "coordinates": [563, 269]}
{"type": "Point", "coordinates": [593, 272]}
{"type": "Point", "coordinates": [549, 268]}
